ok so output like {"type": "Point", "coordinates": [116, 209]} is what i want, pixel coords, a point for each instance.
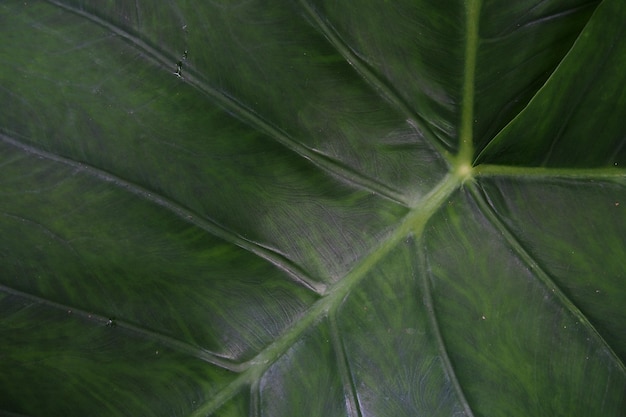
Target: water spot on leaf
{"type": "Point", "coordinates": [179, 64]}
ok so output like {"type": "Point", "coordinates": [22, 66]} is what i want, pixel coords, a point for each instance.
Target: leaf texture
{"type": "Point", "coordinates": [312, 208]}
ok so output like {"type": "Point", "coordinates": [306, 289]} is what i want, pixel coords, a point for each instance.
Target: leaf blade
{"type": "Point", "coordinates": [230, 182]}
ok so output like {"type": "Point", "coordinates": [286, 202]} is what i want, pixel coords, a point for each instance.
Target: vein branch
{"type": "Point", "coordinates": [371, 77]}
{"type": "Point", "coordinates": [540, 273]}
{"type": "Point", "coordinates": [349, 385]}
{"type": "Point", "coordinates": [434, 325]}
{"type": "Point", "coordinates": [246, 114]}
{"type": "Point", "coordinates": [169, 342]}
{"type": "Point", "coordinates": [608, 173]}
{"type": "Point", "coordinates": [213, 228]}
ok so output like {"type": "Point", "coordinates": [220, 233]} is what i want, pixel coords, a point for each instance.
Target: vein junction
{"type": "Point", "coordinates": [412, 225]}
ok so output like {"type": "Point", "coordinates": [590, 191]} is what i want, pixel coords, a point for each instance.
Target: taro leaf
{"type": "Point", "coordinates": [312, 208]}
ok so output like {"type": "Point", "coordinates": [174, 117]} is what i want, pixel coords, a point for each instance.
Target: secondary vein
{"type": "Point", "coordinates": [543, 276]}
{"type": "Point", "coordinates": [140, 332]}
{"type": "Point", "coordinates": [438, 338]}
{"type": "Point", "coordinates": [601, 173]}
{"type": "Point", "coordinates": [374, 79]}
{"type": "Point", "coordinates": [207, 224]}
{"type": "Point", "coordinates": [249, 116]}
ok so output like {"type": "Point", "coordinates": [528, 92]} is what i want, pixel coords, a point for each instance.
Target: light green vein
{"type": "Point", "coordinates": [526, 20]}
{"type": "Point", "coordinates": [343, 367]}
{"type": "Point", "coordinates": [434, 325]}
{"type": "Point", "coordinates": [540, 273]}
{"type": "Point", "coordinates": [114, 325]}
{"type": "Point", "coordinates": [373, 79]}
{"type": "Point", "coordinates": [412, 224]}
{"type": "Point", "coordinates": [466, 132]}
{"type": "Point", "coordinates": [255, 399]}
{"type": "Point", "coordinates": [610, 173]}
{"type": "Point", "coordinates": [244, 113]}
{"type": "Point", "coordinates": [209, 226]}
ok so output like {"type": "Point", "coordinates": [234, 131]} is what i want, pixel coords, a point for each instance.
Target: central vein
{"type": "Point", "coordinates": [466, 145]}
{"type": "Point", "coordinates": [412, 224]}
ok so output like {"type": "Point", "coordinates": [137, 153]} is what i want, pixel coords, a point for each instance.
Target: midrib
{"type": "Point", "coordinates": [466, 136]}
{"type": "Point", "coordinates": [411, 225]}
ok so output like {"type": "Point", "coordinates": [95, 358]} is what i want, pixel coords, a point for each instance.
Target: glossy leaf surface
{"type": "Point", "coordinates": [312, 208]}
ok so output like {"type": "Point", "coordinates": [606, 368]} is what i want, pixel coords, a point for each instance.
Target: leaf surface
{"type": "Point", "coordinates": [312, 208]}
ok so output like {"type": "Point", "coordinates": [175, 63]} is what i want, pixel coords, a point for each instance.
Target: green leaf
{"type": "Point", "coordinates": [312, 208]}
